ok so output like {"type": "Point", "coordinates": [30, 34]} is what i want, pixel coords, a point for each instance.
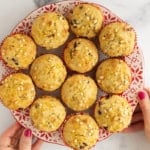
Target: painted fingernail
{"type": "Point", "coordinates": [141, 95]}
{"type": "Point", "coordinates": [28, 133]}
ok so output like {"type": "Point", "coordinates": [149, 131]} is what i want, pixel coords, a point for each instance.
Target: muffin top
{"type": "Point", "coordinates": [47, 113]}
{"type": "Point", "coordinates": [48, 72]}
{"type": "Point", "coordinates": [81, 55]}
{"type": "Point", "coordinates": [18, 51]}
{"type": "Point", "coordinates": [113, 76]}
{"type": "Point", "coordinates": [113, 113]}
{"type": "Point", "coordinates": [86, 20]}
{"type": "Point", "coordinates": [117, 39]}
{"type": "Point", "coordinates": [50, 30]}
{"type": "Point", "coordinates": [17, 91]}
{"type": "Point", "coordinates": [80, 132]}
{"type": "Point", "coordinates": [79, 92]}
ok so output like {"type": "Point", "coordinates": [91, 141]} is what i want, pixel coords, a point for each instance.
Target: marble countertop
{"type": "Point", "coordinates": [135, 12]}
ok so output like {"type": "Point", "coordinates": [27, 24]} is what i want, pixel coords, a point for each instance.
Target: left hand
{"type": "Point", "coordinates": [18, 138]}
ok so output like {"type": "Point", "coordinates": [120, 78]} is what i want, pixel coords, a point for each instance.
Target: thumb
{"type": "Point", "coordinates": [144, 102]}
{"type": "Point", "coordinates": [26, 140]}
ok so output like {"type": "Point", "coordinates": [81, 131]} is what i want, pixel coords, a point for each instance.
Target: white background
{"type": "Point", "coordinates": [136, 12]}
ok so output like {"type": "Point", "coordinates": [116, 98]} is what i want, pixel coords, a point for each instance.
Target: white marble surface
{"type": "Point", "coordinates": [136, 12]}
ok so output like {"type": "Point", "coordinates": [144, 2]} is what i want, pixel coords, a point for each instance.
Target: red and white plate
{"type": "Point", "coordinates": [135, 62]}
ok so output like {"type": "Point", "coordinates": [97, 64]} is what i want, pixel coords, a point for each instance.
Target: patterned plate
{"type": "Point", "coordinates": [135, 61]}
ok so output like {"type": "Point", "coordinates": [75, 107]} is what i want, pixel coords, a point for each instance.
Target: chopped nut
{"type": "Point", "coordinates": [75, 140]}
{"type": "Point", "coordinates": [99, 81]}
{"type": "Point", "coordinates": [88, 18]}
{"type": "Point", "coordinates": [73, 131]}
{"type": "Point", "coordinates": [77, 120]}
{"type": "Point", "coordinates": [103, 38]}
{"type": "Point", "coordinates": [101, 77]}
{"type": "Point", "coordinates": [116, 30]}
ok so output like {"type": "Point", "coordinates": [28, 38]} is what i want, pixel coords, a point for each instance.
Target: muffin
{"type": "Point", "coordinates": [79, 92]}
{"type": "Point", "coordinates": [48, 72]}
{"type": "Point", "coordinates": [50, 30]}
{"type": "Point", "coordinates": [117, 39]}
{"type": "Point", "coordinates": [86, 20]}
{"type": "Point", "coordinates": [17, 91]}
{"type": "Point", "coordinates": [113, 76]}
{"type": "Point", "coordinates": [113, 113]}
{"type": "Point", "coordinates": [81, 55]}
{"type": "Point", "coordinates": [47, 113]}
{"type": "Point", "coordinates": [18, 51]}
{"type": "Point", "coordinates": [80, 132]}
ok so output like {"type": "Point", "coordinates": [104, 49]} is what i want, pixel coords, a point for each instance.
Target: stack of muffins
{"type": "Point", "coordinates": [79, 91]}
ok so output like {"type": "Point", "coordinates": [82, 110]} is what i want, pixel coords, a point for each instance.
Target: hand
{"type": "Point", "coordinates": [18, 138]}
{"type": "Point", "coordinates": [141, 117]}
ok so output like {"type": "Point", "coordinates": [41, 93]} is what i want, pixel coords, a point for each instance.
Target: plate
{"type": "Point", "coordinates": [135, 62]}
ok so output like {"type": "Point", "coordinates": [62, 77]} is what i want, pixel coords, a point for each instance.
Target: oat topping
{"type": "Point", "coordinates": [48, 72]}
{"type": "Point", "coordinates": [117, 39]}
{"type": "Point", "coordinates": [17, 91]}
{"type": "Point", "coordinates": [79, 92]}
{"type": "Point", "coordinates": [81, 55]}
{"type": "Point", "coordinates": [50, 30]}
{"type": "Point", "coordinates": [18, 51]}
{"type": "Point", "coordinates": [86, 132]}
{"type": "Point", "coordinates": [47, 113]}
{"type": "Point", "coordinates": [113, 76]}
{"type": "Point", "coordinates": [86, 22]}
{"type": "Point", "coordinates": [113, 113]}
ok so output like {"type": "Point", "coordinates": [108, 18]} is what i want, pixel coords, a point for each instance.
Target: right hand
{"type": "Point", "coordinates": [141, 117]}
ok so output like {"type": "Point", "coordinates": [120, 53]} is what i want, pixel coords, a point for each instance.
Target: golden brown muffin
{"type": "Point", "coordinates": [113, 76]}
{"type": "Point", "coordinates": [113, 113]}
{"type": "Point", "coordinates": [47, 113]}
{"type": "Point", "coordinates": [86, 20]}
{"type": "Point", "coordinates": [80, 132]}
{"type": "Point", "coordinates": [79, 92]}
{"type": "Point", "coordinates": [48, 72]}
{"type": "Point", "coordinates": [117, 39]}
{"type": "Point", "coordinates": [17, 91]}
{"type": "Point", "coordinates": [81, 55]}
{"type": "Point", "coordinates": [50, 30]}
{"type": "Point", "coordinates": [18, 51]}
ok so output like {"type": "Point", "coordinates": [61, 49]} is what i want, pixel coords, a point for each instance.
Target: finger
{"type": "Point", "coordinates": [12, 130]}
{"type": "Point", "coordinates": [18, 133]}
{"type": "Point", "coordinates": [137, 109]}
{"type": "Point", "coordinates": [37, 145]}
{"type": "Point", "coordinates": [26, 140]}
{"type": "Point", "coordinates": [134, 127]}
{"type": "Point", "coordinates": [137, 117]}
{"type": "Point", "coordinates": [145, 107]}
{"type": "Point", "coordinates": [5, 138]}
{"type": "Point", "coordinates": [148, 90]}
{"type": "Point", "coordinates": [15, 139]}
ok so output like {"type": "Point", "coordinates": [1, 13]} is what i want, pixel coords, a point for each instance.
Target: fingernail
{"type": "Point", "coordinates": [28, 133]}
{"type": "Point", "coordinates": [141, 95]}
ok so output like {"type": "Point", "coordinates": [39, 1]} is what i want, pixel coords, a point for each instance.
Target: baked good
{"type": "Point", "coordinates": [50, 30]}
{"type": "Point", "coordinates": [80, 132]}
{"type": "Point", "coordinates": [47, 113]}
{"type": "Point", "coordinates": [113, 113]}
{"type": "Point", "coordinates": [18, 51]}
{"type": "Point", "coordinates": [86, 20]}
{"type": "Point", "coordinates": [117, 39]}
{"type": "Point", "coordinates": [81, 55]}
{"type": "Point", "coordinates": [113, 76]}
{"type": "Point", "coordinates": [17, 91]}
{"type": "Point", "coordinates": [48, 72]}
{"type": "Point", "coordinates": [79, 92]}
